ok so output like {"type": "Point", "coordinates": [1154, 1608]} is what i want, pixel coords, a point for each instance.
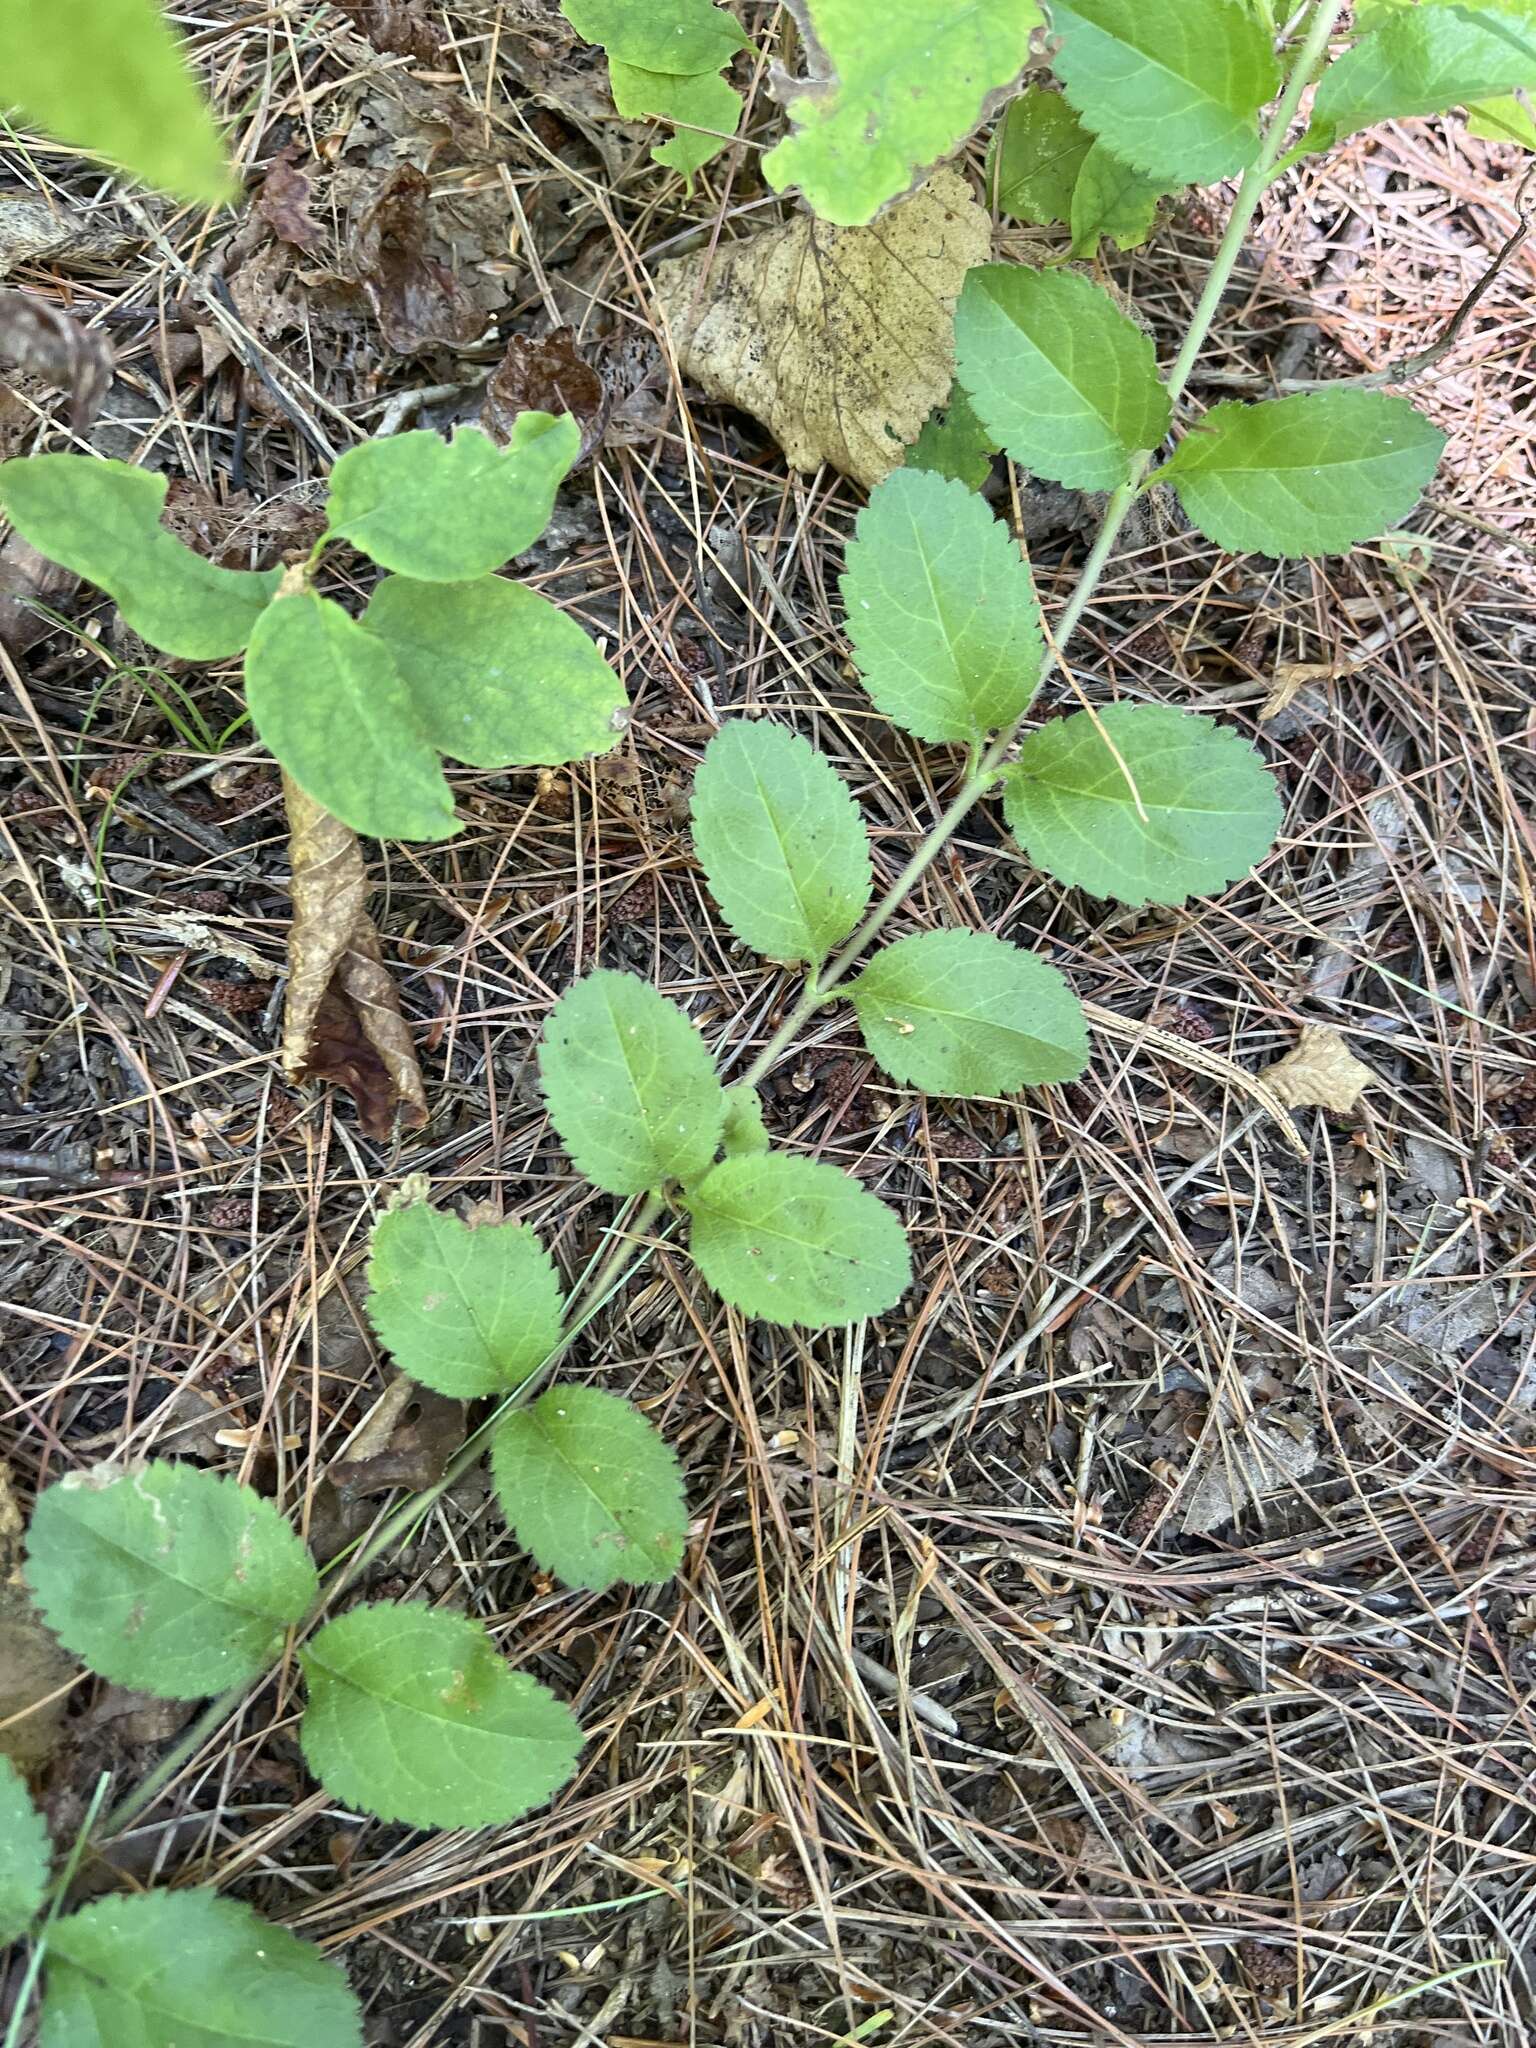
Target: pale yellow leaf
{"type": "Point", "coordinates": [1319, 1072]}
{"type": "Point", "coordinates": [840, 340]}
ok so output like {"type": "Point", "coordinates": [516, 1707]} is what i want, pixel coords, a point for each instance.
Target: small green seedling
{"type": "Point", "coordinates": [448, 658]}
{"type": "Point", "coordinates": [664, 64]}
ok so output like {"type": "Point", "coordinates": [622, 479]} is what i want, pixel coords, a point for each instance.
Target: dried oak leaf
{"type": "Point", "coordinates": [840, 340]}
{"type": "Point", "coordinates": [545, 374]}
{"type": "Point", "coordinates": [44, 339]}
{"type": "Point", "coordinates": [414, 297]}
{"type": "Point", "coordinates": [397, 28]}
{"type": "Point", "coordinates": [35, 1674]}
{"type": "Point", "coordinates": [283, 203]}
{"type": "Point", "coordinates": [1319, 1072]}
{"type": "Point", "coordinates": [343, 1023]}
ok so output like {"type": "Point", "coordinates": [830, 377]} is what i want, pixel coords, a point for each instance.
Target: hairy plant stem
{"type": "Point", "coordinates": [628, 1249]}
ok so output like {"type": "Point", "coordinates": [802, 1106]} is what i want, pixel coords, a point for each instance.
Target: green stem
{"type": "Point", "coordinates": [626, 1254]}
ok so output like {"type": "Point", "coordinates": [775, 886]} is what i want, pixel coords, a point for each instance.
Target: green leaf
{"type": "Point", "coordinates": [782, 842]}
{"type": "Point", "coordinates": [1501, 119]}
{"type": "Point", "coordinates": [891, 91]}
{"type": "Point", "coordinates": [962, 1013]}
{"type": "Point", "coordinates": [1110, 198]}
{"type": "Point", "coordinates": [1035, 157]}
{"type": "Point", "coordinates": [102, 520]}
{"type": "Point", "coordinates": [190, 1970]}
{"type": "Point", "coordinates": [330, 704]}
{"type": "Point", "coordinates": [1424, 60]}
{"type": "Point", "coordinates": [677, 36]}
{"type": "Point", "coordinates": [630, 1085]}
{"type": "Point", "coordinates": [1308, 475]}
{"type": "Point", "coordinates": [499, 677]}
{"type": "Point", "coordinates": [465, 1311]}
{"type": "Point", "coordinates": [415, 1716]}
{"type": "Point", "coordinates": [166, 1578]}
{"type": "Point", "coordinates": [591, 1490]}
{"type": "Point", "coordinates": [447, 511]}
{"type": "Point", "coordinates": [795, 1241]}
{"type": "Point", "coordinates": [1174, 86]}
{"type": "Point", "coordinates": [1208, 806]}
{"type": "Point", "coordinates": [954, 444]}
{"type": "Point", "coordinates": [942, 611]}
{"type": "Point", "coordinates": [703, 102]}
{"type": "Point", "coordinates": [1063, 379]}
{"type": "Point", "coordinates": [24, 1855]}
{"type": "Point", "coordinates": [744, 1133]}
{"type": "Point", "coordinates": [109, 76]}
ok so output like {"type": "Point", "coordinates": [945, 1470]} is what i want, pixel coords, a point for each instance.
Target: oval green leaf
{"type": "Point", "coordinates": [630, 1085]}
{"type": "Point", "coordinates": [102, 520]}
{"type": "Point", "coordinates": [1058, 374]}
{"type": "Point", "coordinates": [744, 1133]}
{"type": "Point", "coordinates": [467, 1312]}
{"type": "Point", "coordinates": [591, 1490]}
{"type": "Point", "coordinates": [942, 611]}
{"type": "Point", "coordinates": [1202, 811]}
{"type": "Point", "coordinates": [332, 707]}
{"type": "Point", "coordinates": [782, 842]}
{"type": "Point", "coordinates": [681, 37]}
{"type": "Point", "coordinates": [165, 1577]}
{"type": "Point", "coordinates": [954, 443]}
{"type": "Point", "coordinates": [110, 77]}
{"type": "Point", "coordinates": [1308, 475]}
{"type": "Point", "coordinates": [1112, 199]}
{"type": "Point", "coordinates": [795, 1241]}
{"type": "Point", "coordinates": [414, 1715]}
{"type": "Point", "coordinates": [190, 1970]}
{"type": "Point", "coordinates": [695, 106]}
{"type": "Point", "coordinates": [499, 677]}
{"type": "Point", "coordinates": [1420, 61]}
{"type": "Point", "coordinates": [963, 1013]}
{"type": "Point", "coordinates": [24, 1855]}
{"type": "Point", "coordinates": [1174, 85]}
{"type": "Point", "coordinates": [448, 511]}
{"type": "Point", "coordinates": [1035, 157]}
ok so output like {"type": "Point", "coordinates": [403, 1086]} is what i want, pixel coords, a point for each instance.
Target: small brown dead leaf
{"type": "Point", "coordinates": [398, 28]}
{"type": "Point", "coordinates": [35, 1674]}
{"type": "Point", "coordinates": [1290, 679]}
{"type": "Point", "coordinates": [414, 297]}
{"type": "Point", "coordinates": [283, 203]}
{"type": "Point", "coordinates": [42, 338]}
{"type": "Point", "coordinates": [840, 340]}
{"type": "Point", "coordinates": [407, 1441]}
{"type": "Point", "coordinates": [1319, 1072]}
{"type": "Point", "coordinates": [343, 1021]}
{"type": "Point", "coordinates": [28, 581]}
{"type": "Point", "coordinates": [547, 375]}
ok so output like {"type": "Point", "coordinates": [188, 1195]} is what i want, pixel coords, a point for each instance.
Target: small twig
{"type": "Point", "coordinates": [73, 1166]}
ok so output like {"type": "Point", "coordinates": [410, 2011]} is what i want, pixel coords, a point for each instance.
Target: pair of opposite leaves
{"type": "Point", "coordinates": [448, 658]}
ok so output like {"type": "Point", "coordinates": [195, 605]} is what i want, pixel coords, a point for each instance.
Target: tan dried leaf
{"type": "Point", "coordinates": [1290, 679]}
{"type": "Point", "coordinates": [283, 202]}
{"type": "Point", "coordinates": [35, 1674]}
{"type": "Point", "coordinates": [34, 230]}
{"type": "Point", "coordinates": [42, 338]}
{"type": "Point", "coordinates": [416, 298]}
{"type": "Point", "coordinates": [343, 1021]}
{"type": "Point", "coordinates": [1319, 1072]}
{"type": "Point", "coordinates": [840, 340]}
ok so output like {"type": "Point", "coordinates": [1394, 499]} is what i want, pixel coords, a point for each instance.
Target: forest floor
{"type": "Point", "coordinates": [1133, 1638]}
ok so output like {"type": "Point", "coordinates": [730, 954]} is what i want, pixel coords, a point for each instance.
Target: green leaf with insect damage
{"type": "Point", "coordinates": [589, 1487]}
{"type": "Point", "coordinates": [166, 1578]}
{"type": "Point", "coordinates": [704, 110]}
{"type": "Point", "coordinates": [414, 1715]}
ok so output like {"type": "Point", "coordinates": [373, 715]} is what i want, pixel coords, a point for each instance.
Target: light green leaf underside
{"type": "Point", "coordinates": [677, 36]}
{"type": "Point", "coordinates": [330, 704]}
{"type": "Point", "coordinates": [498, 676]}
{"type": "Point", "coordinates": [942, 611]}
{"type": "Point", "coordinates": [415, 1716]}
{"type": "Point", "coordinates": [963, 1013]}
{"type": "Point", "coordinates": [630, 1085]}
{"type": "Point", "coordinates": [1111, 199]}
{"type": "Point", "coordinates": [188, 1969]}
{"type": "Point", "coordinates": [796, 1241]}
{"type": "Point", "coordinates": [1308, 475]}
{"type": "Point", "coordinates": [102, 520]}
{"type": "Point", "coordinates": [24, 1854]}
{"type": "Point", "coordinates": [1211, 808]}
{"type": "Point", "coordinates": [1035, 157]}
{"type": "Point", "coordinates": [782, 842]}
{"type": "Point", "coordinates": [165, 1577]}
{"type": "Point", "coordinates": [706, 102]}
{"type": "Point", "coordinates": [891, 91]}
{"type": "Point", "coordinates": [744, 1133]}
{"type": "Point", "coordinates": [1502, 119]}
{"type": "Point", "coordinates": [954, 444]}
{"type": "Point", "coordinates": [1174, 86]}
{"type": "Point", "coordinates": [110, 77]}
{"type": "Point", "coordinates": [466, 1311]}
{"type": "Point", "coordinates": [1058, 374]}
{"type": "Point", "coordinates": [1424, 60]}
{"type": "Point", "coordinates": [590, 1489]}
{"type": "Point", "coordinates": [448, 511]}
